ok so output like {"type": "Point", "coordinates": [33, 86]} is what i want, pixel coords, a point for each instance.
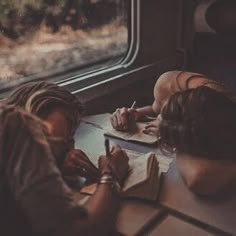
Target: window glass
{"type": "Point", "coordinates": [44, 38]}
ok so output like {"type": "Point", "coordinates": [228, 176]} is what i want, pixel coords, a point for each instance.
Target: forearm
{"type": "Point", "coordinates": [202, 176]}
{"type": "Point", "coordinates": [145, 111]}
{"type": "Point", "coordinates": [102, 210]}
{"type": "Point", "coordinates": [103, 206]}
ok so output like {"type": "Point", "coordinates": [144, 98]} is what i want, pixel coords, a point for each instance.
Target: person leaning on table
{"type": "Point", "coordinates": [34, 199]}
{"type": "Point", "coordinates": [199, 125]}
{"type": "Point", "coordinates": [167, 84]}
{"type": "Point", "coordinates": [62, 111]}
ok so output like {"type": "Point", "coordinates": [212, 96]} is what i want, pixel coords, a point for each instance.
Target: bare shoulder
{"type": "Point", "coordinates": [169, 75]}
{"type": "Point", "coordinates": [166, 79]}
{"type": "Point", "coordinates": [180, 80]}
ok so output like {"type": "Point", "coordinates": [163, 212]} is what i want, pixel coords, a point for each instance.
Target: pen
{"type": "Point", "coordinates": [133, 105]}
{"type": "Point", "coordinates": [107, 147]}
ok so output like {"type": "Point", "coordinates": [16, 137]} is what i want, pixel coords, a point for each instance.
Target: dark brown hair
{"type": "Point", "coordinates": [200, 122]}
{"type": "Point", "coordinates": [41, 98]}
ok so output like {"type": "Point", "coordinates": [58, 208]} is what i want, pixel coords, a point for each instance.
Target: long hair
{"type": "Point", "coordinates": [19, 133]}
{"type": "Point", "coordinates": [200, 122]}
{"type": "Point", "coordinates": [15, 124]}
{"type": "Point", "coordinates": [41, 98]}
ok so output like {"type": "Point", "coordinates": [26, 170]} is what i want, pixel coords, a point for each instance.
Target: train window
{"type": "Point", "coordinates": [50, 38]}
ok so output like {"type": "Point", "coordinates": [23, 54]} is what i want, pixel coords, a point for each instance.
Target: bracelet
{"type": "Point", "coordinates": [108, 179]}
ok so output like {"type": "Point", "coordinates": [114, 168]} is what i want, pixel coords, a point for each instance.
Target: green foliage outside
{"type": "Point", "coordinates": [19, 5]}
{"type": "Point", "coordinates": [20, 17]}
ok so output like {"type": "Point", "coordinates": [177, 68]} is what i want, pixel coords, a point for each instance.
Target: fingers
{"type": "Point", "coordinates": [117, 152]}
{"type": "Point", "coordinates": [78, 155]}
{"type": "Point", "coordinates": [120, 118]}
{"type": "Point", "coordinates": [115, 149]}
{"type": "Point", "coordinates": [151, 130]}
{"type": "Point", "coordinates": [78, 162]}
{"type": "Point", "coordinates": [153, 127]}
{"type": "Point", "coordinates": [103, 164]}
{"type": "Point", "coordinates": [117, 163]}
{"type": "Point", "coordinates": [87, 171]}
{"type": "Point", "coordinates": [82, 168]}
{"type": "Point", "coordinates": [133, 114]}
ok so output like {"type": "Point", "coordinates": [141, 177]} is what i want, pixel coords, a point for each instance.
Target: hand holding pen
{"type": "Point", "coordinates": [123, 118]}
{"type": "Point", "coordinates": [133, 105]}
{"type": "Point", "coordinates": [107, 147]}
{"type": "Point", "coordinates": [115, 162]}
{"type": "Point", "coordinates": [77, 163]}
{"type": "Point", "coordinates": [104, 163]}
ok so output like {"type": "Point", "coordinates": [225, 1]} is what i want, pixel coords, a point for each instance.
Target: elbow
{"type": "Point", "coordinates": [194, 184]}
{"type": "Point", "coordinates": [200, 183]}
{"type": "Point", "coordinates": [204, 177]}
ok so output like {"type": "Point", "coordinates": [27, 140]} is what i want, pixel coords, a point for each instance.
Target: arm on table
{"type": "Point", "coordinates": [205, 177]}
{"type": "Point", "coordinates": [103, 206]}
{"type": "Point", "coordinates": [123, 118]}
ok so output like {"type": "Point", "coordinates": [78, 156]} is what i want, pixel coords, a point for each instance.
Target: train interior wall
{"type": "Point", "coordinates": [214, 55]}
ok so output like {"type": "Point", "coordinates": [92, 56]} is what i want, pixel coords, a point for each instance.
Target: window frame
{"type": "Point", "coordinates": [95, 79]}
{"type": "Point", "coordinates": [101, 82]}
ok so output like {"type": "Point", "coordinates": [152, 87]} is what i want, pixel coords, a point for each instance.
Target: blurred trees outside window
{"type": "Point", "coordinates": [40, 38]}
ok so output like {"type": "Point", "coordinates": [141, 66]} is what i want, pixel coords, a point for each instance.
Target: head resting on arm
{"type": "Point", "coordinates": [199, 121]}
{"type": "Point", "coordinates": [199, 125]}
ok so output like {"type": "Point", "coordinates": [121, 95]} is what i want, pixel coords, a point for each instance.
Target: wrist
{"type": "Point", "coordinates": [110, 181]}
{"type": "Point", "coordinates": [137, 115]}
{"type": "Point", "coordinates": [106, 171]}
{"type": "Point", "coordinates": [106, 178]}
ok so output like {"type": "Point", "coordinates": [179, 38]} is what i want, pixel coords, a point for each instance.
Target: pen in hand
{"type": "Point", "coordinates": [133, 105]}
{"type": "Point", "coordinates": [107, 147]}
{"type": "Point", "coordinates": [131, 118]}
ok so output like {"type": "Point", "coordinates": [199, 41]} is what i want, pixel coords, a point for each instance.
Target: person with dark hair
{"type": "Point", "coordinates": [34, 199]}
{"type": "Point", "coordinates": [62, 111]}
{"type": "Point", "coordinates": [167, 84]}
{"type": "Point", "coordinates": [199, 126]}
